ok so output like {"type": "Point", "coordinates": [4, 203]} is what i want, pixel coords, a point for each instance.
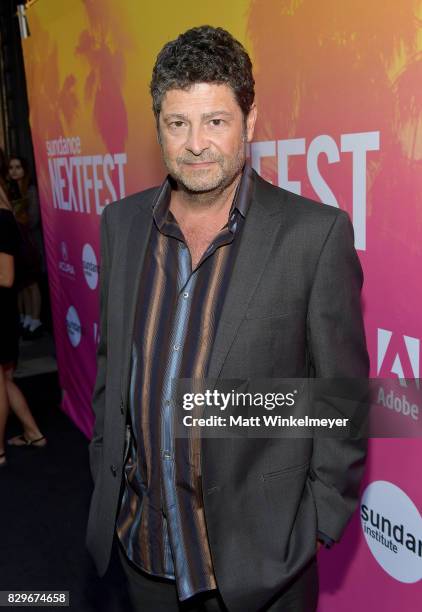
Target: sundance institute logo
{"type": "Point", "coordinates": [90, 266]}
{"type": "Point", "coordinates": [73, 326]}
{"type": "Point", "coordinates": [392, 526]}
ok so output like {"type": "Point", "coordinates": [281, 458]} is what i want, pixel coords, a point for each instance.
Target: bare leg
{"type": "Point", "coordinates": [20, 407]}
{"type": "Point", "coordinates": [35, 298]}
{"type": "Point", "coordinates": [4, 409]}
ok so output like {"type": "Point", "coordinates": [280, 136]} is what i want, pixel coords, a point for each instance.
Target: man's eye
{"type": "Point", "coordinates": [216, 122]}
{"type": "Point", "coordinates": [177, 124]}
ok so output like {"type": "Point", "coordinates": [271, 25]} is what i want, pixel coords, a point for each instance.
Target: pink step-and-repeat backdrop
{"type": "Point", "coordinates": [340, 101]}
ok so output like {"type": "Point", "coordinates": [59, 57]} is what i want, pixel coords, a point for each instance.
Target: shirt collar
{"type": "Point", "coordinates": [241, 200]}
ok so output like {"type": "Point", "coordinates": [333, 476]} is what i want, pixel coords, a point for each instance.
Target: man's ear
{"type": "Point", "coordinates": [250, 122]}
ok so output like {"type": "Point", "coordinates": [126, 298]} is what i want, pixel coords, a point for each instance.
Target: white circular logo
{"type": "Point", "coordinates": [90, 266]}
{"type": "Point", "coordinates": [392, 526]}
{"type": "Point", "coordinates": [73, 325]}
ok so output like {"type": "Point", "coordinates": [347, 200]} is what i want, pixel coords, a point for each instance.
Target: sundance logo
{"type": "Point", "coordinates": [398, 355]}
{"type": "Point", "coordinates": [64, 265]}
{"type": "Point", "coordinates": [392, 526]}
{"type": "Point", "coordinates": [90, 266]}
{"type": "Point", "coordinates": [73, 326]}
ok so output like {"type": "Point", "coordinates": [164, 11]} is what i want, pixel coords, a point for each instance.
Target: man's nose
{"type": "Point", "coordinates": [197, 141]}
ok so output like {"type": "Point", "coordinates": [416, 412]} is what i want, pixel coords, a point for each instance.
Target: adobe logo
{"type": "Point", "coordinates": [398, 354]}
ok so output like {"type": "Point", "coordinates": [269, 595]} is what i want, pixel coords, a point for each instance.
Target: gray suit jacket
{"type": "Point", "coordinates": [292, 310]}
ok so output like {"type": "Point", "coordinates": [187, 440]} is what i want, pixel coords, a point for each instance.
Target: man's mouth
{"type": "Point", "coordinates": [199, 164]}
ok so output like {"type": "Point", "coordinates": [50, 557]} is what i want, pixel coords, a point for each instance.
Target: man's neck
{"type": "Point", "coordinates": [197, 206]}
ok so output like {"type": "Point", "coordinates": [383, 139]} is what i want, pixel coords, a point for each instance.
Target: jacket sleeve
{"type": "Point", "coordinates": [98, 397]}
{"type": "Point", "coordinates": [336, 339]}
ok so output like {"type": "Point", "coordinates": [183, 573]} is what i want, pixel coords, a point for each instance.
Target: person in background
{"type": "Point", "coordinates": [25, 205]}
{"type": "Point", "coordinates": [10, 394]}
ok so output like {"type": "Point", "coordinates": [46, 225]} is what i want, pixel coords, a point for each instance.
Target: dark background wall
{"type": "Point", "coordinates": [15, 130]}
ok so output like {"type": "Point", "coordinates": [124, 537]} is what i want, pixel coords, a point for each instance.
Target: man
{"type": "Point", "coordinates": [218, 274]}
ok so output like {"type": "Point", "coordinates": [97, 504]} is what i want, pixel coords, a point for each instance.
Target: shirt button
{"type": "Point", "coordinates": [186, 294]}
{"type": "Point", "coordinates": [176, 347]}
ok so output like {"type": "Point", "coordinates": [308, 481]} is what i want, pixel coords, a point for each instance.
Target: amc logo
{"type": "Point", "coordinates": [64, 251]}
{"type": "Point", "coordinates": [397, 354]}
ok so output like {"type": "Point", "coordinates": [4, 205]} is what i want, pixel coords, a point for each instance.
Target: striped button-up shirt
{"type": "Point", "coordinates": [161, 522]}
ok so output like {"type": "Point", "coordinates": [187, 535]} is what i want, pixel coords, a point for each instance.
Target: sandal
{"type": "Point", "coordinates": [26, 442]}
{"type": "Point", "coordinates": [3, 463]}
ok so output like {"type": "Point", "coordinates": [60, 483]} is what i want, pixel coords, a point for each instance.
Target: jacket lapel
{"type": "Point", "coordinates": [259, 232]}
{"type": "Point", "coordinates": [135, 249]}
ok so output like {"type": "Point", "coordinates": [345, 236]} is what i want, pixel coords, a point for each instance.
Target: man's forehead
{"type": "Point", "coordinates": [207, 96]}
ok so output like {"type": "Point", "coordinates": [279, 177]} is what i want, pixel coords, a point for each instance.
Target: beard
{"type": "Point", "coordinates": [214, 178]}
